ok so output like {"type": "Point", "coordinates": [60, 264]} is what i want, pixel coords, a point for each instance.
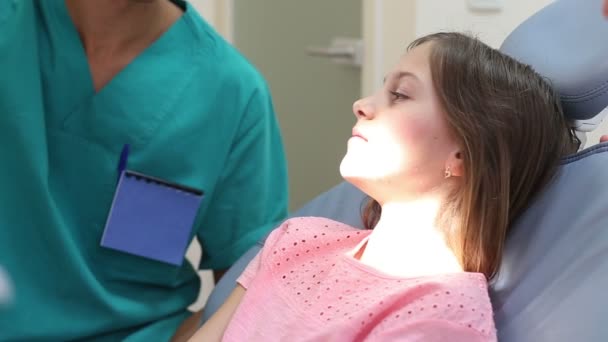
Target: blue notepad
{"type": "Point", "coordinates": [151, 218]}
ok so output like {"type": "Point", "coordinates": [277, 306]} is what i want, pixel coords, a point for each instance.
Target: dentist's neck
{"type": "Point", "coordinates": [406, 241]}
{"type": "Point", "coordinates": [118, 24]}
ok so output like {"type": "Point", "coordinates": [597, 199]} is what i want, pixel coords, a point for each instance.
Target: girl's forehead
{"type": "Point", "coordinates": [416, 61]}
{"type": "Point", "coordinates": [420, 51]}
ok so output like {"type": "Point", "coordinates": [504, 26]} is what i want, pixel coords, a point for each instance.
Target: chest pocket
{"type": "Point", "coordinates": [87, 131]}
{"type": "Point", "coordinates": [85, 152]}
{"type": "Point", "coordinates": [83, 180]}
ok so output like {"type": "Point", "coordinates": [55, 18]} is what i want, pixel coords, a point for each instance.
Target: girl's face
{"type": "Point", "coordinates": [401, 144]}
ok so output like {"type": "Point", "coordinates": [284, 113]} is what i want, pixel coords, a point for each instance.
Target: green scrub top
{"type": "Point", "coordinates": [193, 111]}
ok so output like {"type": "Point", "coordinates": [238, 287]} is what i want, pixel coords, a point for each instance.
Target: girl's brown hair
{"type": "Point", "coordinates": [512, 132]}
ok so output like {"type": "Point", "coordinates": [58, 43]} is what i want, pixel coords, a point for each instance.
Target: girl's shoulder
{"type": "Point", "coordinates": [315, 231]}
{"type": "Point", "coordinates": [308, 239]}
{"type": "Point", "coordinates": [316, 224]}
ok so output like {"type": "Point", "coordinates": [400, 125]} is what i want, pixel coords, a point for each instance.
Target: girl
{"type": "Point", "coordinates": [451, 149]}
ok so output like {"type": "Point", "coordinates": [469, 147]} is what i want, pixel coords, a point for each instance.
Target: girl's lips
{"type": "Point", "coordinates": [358, 134]}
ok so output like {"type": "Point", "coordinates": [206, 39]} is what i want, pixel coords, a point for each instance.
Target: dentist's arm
{"type": "Point", "coordinates": [214, 328]}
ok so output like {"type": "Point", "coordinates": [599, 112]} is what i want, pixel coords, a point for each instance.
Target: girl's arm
{"type": "Point", "coordinates": [214, 328]}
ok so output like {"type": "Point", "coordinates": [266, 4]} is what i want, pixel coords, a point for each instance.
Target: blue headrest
{"type": "Point", "coordinates": [567, 42]}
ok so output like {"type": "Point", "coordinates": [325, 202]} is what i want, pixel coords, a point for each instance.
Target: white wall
{"type": "Point", "coordinates": [218, 14]}
{"type": "Point", "coordinates": [207, 8]}
{"type": "Point", "coordinates": [492, 26]}
{"type": "Point", "coordinates": [389, 25]}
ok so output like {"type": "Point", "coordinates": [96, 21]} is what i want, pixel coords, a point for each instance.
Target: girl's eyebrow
{"type": "Point", "coordinates": [400, 75]}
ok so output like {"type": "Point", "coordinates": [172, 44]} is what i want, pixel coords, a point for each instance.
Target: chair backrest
{"type": "Point", "coordinates": [555, 266]}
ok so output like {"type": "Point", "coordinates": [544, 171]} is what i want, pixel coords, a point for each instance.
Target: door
{"type": "Point", "coordinates": [313, 96]}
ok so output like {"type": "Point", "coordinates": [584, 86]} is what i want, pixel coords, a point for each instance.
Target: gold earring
{"type": "Point", "coordinates": [448, 173]}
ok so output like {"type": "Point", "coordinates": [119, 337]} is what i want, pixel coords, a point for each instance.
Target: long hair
{"type": "Point", "coordinates": [510, 126]}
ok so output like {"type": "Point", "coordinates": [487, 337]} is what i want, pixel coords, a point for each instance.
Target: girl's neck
{"type": "Point", "coordinates": [407, 243]}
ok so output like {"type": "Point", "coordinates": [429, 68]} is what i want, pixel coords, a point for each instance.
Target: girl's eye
{"type": "Point", "coordinates": [398, 96]}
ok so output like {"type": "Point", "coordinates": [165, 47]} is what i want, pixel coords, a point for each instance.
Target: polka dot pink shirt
{"type": "Point", "coordinates": [306, 286]}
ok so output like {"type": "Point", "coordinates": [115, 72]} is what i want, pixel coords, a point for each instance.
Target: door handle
{"type": "Point", "coordinates": [341, 51]}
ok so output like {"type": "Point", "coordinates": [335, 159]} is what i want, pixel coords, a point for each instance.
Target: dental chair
{"type": "Point", "coordinates": [553, 281]}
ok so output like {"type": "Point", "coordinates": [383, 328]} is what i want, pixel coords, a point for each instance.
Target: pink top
{"type": "Point", "coordinates": [305, 285]}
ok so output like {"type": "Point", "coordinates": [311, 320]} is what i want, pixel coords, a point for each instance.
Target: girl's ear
{"type": "Point", "coordinates": [455, 164]}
